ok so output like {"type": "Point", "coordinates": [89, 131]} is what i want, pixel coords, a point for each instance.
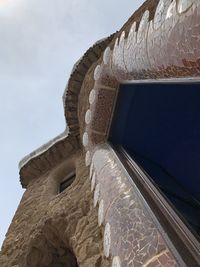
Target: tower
{"type": "Point", "coordinates": [89, 201]}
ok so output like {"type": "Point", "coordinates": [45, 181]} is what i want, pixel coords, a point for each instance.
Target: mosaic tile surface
{"type": "Point", "coordinates": [130, 232]}
{"type": "Point", "coordinates": [103, 109]}
{"type": "Point", "coordinates": [165, 47]}
{"type": "Point", "coordinates": [162, 48]}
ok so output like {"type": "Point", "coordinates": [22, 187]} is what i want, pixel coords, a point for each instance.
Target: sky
{"type": "Point", "coordinates": [40, 40]}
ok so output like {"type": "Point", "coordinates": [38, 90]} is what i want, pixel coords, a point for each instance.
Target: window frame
{"type": "Point", "coordinates": [68, 179]}
{"type": "Point", "coordinates": [186, 241]}
{"type": "Point", "coordinates": [180, 233]}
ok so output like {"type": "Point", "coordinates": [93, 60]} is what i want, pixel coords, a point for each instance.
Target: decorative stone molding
{"type": "Point", "coordinates": [91, 170]}
{"type": "Point", "coordinates": [162, 46]}
{"type": "Point", "coordinates": [87, 158]}
{"type": "Point", "coordinates": [47, 157]}
{"type": "Point", "coordinates": [107, 55]}
{"type": "Point", "coordinates": [85, 139]}
{"type": "Point", "coordinates": [107, 240]}
{"type": "Point", "coordinates": [131, 231]}
{"type": "Point", "coordinates": [159, 47]}
{"type": "Point", "coordinates": [88, 116]}
{"type": "Point", "coordinates": [101, 213]}
{"type": "Point", "coordinates": [96, 194]}
{"type": "Point", "coordinates": [70, 96]}
{"type": "Point", "coordinates": [97, 72]}
{"type": "Point", "coordinates": [116, 262]}
{"type": "Point", "coordinates": [184, 5]}
{"type": "Point", "coordinates": [93, 181]}
{"type": "Point", "coordinates": [43, 148]}
{"type": "Point", "coordinates": [92, 96]}
{"type": "Point", "coordinates": [161, 13]}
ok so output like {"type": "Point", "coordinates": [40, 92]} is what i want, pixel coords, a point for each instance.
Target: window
{"type": "Point", "coordinates": [67, 181]}
{"type": "Point", "coordinates": [158, 125]}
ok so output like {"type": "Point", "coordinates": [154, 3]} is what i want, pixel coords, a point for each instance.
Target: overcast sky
{"type": "Point", "coordinates": [40, 40]}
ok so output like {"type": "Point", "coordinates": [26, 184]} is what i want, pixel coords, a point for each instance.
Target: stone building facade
{"type": "Point", "coordinates": [84, 205]}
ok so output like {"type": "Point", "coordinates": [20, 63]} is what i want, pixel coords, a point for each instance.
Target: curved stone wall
{"type": "Point", "coordinates": [125, 233]}
{"type": "Point", "coordinates": [132, 235]}
{"type": "Point", "coordinates": [164, 47]}
{"type": "Point", "coordinates": [49, 228]}
{"type": "Point", "coordinates": [49, 155]}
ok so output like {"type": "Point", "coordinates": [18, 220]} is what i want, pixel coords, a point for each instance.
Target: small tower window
{"type": "Point", "coordinates": [67, 181]}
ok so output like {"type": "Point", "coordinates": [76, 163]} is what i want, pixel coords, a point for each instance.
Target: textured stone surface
{"type": "Point", "coordinates": [130, 233]}
{"type": "Point", "coordinates": [163, 44]}
{"type": "Point", "coordinates": [47, 157]}
{"type": "Point", "coordinates": [49, 228]}
{"type": "Point", "coordinates": [76, 80]}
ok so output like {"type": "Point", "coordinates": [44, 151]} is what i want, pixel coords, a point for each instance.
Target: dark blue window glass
{"type": "Point", "coordinates": [159, 126]}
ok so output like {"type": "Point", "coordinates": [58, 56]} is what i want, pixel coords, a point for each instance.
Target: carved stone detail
{"type": "Point", "coordinates": [97, 72]}
{"type": "Point", "coordinates": [93, 181]}
{"type": "Point", "coordinates": [116, 262]}
{"type": "Point", "coordinates": [85, 139]}
{"type": "Point", "coordinates": [87, 158]}
{"type": "Point", "coordinates": [101, 213]}
{"type": "Point", "coordinates": [92, 96]}
{"type": "Point", "coordinates": [107, 240]}
{"type": "Point", "coordinates": [88, 116]}
{"type": "Point", "coordinates": [91, 170]}
{"type": "Point", "coordinates": [96, 194]}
